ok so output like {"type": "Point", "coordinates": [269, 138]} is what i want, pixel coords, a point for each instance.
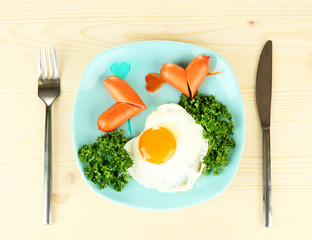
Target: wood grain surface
{"type": "Point", "coordinates": [80, 30]}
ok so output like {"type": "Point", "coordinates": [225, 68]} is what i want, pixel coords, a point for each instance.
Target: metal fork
{"type": "Point", "coordinates": [48, 91]}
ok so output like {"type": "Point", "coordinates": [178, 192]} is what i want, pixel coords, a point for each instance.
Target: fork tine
{"type": "Point", "coordinates": [50, 64]}
{"type": "Point", "coordinates": [56, 69]}
{"type": "Point", "coordinates": [39, 64]}
{"type": "Point", "coordinates": [45, 67]}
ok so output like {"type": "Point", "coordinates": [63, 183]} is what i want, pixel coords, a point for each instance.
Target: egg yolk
{"type": "Point", "coordinates": [157, 145]}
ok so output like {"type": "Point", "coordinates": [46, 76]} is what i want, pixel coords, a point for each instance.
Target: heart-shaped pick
{"type": "Point", "coordinates": [120, 70]}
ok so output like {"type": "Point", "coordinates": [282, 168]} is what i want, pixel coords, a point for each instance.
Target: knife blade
{"type": "Point", "coordinates": [263, 98]}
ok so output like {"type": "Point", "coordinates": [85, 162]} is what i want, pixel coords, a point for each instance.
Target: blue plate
{"type": "Point", "coordinates": [145, 57]}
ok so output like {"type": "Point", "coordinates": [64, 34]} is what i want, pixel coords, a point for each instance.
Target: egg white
{"type": "Point", "coordinates": [181, 171]}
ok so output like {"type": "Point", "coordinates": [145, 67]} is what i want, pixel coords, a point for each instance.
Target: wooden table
{"type": "Point", "coordinates": [80, 30]}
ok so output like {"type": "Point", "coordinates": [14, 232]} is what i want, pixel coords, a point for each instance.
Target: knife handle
{"type": "Point", "coordinates": [266, 170]}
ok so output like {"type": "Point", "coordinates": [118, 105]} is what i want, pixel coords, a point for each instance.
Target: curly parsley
{"type": "Point", "coordinates": [218, 127]}
{"type": "Point", "coordinates": [107, 160]}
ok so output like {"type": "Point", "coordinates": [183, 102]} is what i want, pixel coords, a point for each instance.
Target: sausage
{"type": "Point", "coordinates": [175, 76]}
{"type": "Point", "coordinates": [128, 104]}
{"type": "Point", "coordinates": [196, 72]}
{"type": "Point", "coordinates": [117, 115]}
{"type": "Point", "coordinates": [121, 91]}
{"type": "Point", "coordinates": [186, 80]}
{"type": "Point", "coordinates": [153, 82]}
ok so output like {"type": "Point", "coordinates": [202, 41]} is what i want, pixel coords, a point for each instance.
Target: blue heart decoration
{"type": "Point", "coordinates": [120, 70]}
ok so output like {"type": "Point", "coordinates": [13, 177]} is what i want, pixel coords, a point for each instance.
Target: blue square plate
{"type": "Point", "coordinates": [145, 57]}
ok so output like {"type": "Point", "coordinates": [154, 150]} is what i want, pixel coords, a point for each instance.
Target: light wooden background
{"type": "Point", "coordinates": [80, 30]}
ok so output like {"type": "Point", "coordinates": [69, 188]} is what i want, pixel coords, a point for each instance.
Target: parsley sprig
{"type": "Point", "coordinates": [107, 160]}
{"type": "Point", "coordinates": [218, 127]}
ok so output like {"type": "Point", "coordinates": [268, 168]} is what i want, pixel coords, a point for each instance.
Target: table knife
{"type": "Point", "coordinates": [263, 97]}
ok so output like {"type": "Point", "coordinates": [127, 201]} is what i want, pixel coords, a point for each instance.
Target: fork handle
{"type": "Point", "coordinates": [47, 190]}
{"type": "Point", "coordinates": [267, 185]}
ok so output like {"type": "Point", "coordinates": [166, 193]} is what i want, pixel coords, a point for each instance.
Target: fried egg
{"type": "Point", "coordinates": [168, 154]}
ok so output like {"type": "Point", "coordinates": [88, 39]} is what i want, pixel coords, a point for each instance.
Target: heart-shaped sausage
{"type": "Point", "coordinates": [128, 104]}
{"type": "Point", "coordinates": [153, 82]}
{"type": "Point", "coordinates": [186, 80]}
